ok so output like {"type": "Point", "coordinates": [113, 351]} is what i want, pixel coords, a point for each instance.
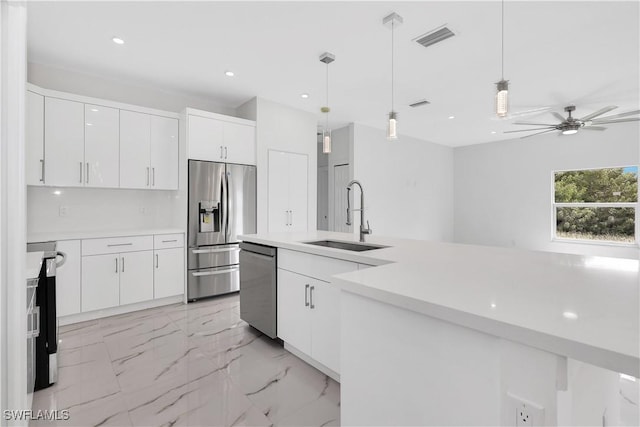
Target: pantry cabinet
{"type": "Point", "coordinates": [287, 189]}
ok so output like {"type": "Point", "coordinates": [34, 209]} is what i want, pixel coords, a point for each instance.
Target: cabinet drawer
{"type": "Point", "coordinates": [316, 266]}
{"type": "Point", "coordinates": [114, 245]}
{"type": "Point", "coordinates": [168, 241]}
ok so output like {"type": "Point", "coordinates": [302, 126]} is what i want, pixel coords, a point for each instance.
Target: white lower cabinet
{"type": "Point", "coordinates": [168, 272]}
{"type": "Point", "coordinates": [136, 277]}
{"type": "Point", "coordinates": [309, 307]}
{"type": "Point", "coordinates": [68, 278]}
{"type": "Point", "coordinates": [100, 282]}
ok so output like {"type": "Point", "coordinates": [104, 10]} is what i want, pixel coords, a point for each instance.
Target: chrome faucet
{"type": "Point", "coordinates": [363, 230]}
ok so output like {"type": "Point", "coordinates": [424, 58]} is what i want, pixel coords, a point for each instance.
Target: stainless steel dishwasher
{"type": "Point", "coordinates": [258, 290]}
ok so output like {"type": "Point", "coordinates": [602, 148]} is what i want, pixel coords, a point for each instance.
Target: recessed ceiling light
{"type": "Point", "coordinates": [452, 117]}
{"type": "Point", "coordinates": [229, 73]}
{"type": "Point", "coordinates": [117, 40]}
{"type": "Point", "coordinates": [493, 131]}
{"type": "Point", "coordinates": [570, 315]}
{"type": "Point", "coordinates": [95, 110]}
{"type": "Point", "coordinates": [304, 95]}
{"type": "Point", "coordinates": [57, 192]}
{"type": "Point", "coordinates": [493, 305]}
{"type": "Point", "coordinates": [89, 124]}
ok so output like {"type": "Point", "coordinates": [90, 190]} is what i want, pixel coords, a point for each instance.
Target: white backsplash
{"type": "Point", "coordinates": [93, 209]}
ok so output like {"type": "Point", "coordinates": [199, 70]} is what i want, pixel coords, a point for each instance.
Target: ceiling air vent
{"type": "Point", "coordinates": [434, 36]}
{"type": "Point", "coordinates": [419, 103]}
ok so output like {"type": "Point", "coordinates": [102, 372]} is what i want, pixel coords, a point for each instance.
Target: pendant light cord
{"type": "Point", "coordinates": [392, 43]}
{"type": "Point", "coordinates": [502, 38]}
{"type": "Point", "coordinates": [327, 118]}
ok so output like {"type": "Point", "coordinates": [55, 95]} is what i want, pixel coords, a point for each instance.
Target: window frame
{"type": "Point", "coordinates": [555, 205]}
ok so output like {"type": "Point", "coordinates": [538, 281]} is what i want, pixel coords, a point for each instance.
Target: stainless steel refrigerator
{"type": "Point", "coordinates": [222, 205]}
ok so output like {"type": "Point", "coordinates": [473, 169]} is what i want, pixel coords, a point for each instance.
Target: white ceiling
{"type": "Point", "coordinates": [587, 53]}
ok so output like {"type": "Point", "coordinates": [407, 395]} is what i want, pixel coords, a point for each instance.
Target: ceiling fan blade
{"type": "Point", "coordinates": [602, 122]}
{"type": "Point", "coordinates": [532, 124]}
{"type": "Point", "coordinates": [527, 130]}
{"type": "Point", "coordinates": [616, 116]}
{"type": "Point", "coordinates": [598, 113]}
{"type": "Point", "coordinates": [558, 116]}
{"type": "Point", "coordinates": [537, 133]}
{"type": "Point", "coordinates": [594, 128]}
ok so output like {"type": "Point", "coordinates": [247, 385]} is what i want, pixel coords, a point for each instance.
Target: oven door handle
{"type": "Point", "coordinates": [215, 272]}
{"type": "Point", "coordinates": [62, 261]}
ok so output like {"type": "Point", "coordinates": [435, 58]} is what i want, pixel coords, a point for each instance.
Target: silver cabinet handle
{"type": "Point", "coordinates": [41, 170]}
{"type": "Point", "coordinates": [80, 172]}
{"type": "Point", "coordinates": [156, 260]}
{"type": "Point", "coordinates": [225, 153]}
{"type": "Point", "coordinates": [153, 176]}
{"type": "Point", "coordinates": [311, 297]}
{"type": "Point", "coordinates": [119, 244]}
{"type": "Point", "coordinates": [123, 264]}
{"type": "Point", "coordinates": [213, 273]}
{"type": "Point", "coordinates": [148, 176]}
{"type": "Point", "coordinates": [87, 177]}
{"type": "Point", "coordinates": [221, 156]}
{"type": "Point", "coordinates": [306, 295]}
{"type": "Point", "coordinates": [169, 241]}
{"type": "Point", "coordinates": [116, 264]}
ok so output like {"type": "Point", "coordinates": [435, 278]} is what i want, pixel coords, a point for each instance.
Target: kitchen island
{"type": "Point", "coordinates": [440, 333]}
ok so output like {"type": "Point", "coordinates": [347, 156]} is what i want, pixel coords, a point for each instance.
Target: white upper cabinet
{"type": "Point", "coordinates": [221, 138]}
{"type": "Point", "coordinates": [135, 145]}
{"type": "Point", "coordinates": [239, 143]}
{"type": "Point", "coordinates": [101, 146]}
{"type": "Point", "coordinates": [287, 188]}
{"type": "Point", "coordinates": [64, 143]}
{"type": "Point", "coordinates": [34, 139]}
{"type": "Point", "coordinates": [164, 153]}
{"type": "Point", "coordinates": [205, 139]}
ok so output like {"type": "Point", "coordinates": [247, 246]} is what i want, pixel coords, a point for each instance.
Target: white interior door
{"type": "Point", "coordinates": [135, 146]}
{"type": "Point", "coordinates": [100, 279]}
{"type": "Point", "coordinates": [34, 137]}
{"type": "Point", "coordinates": [64, 142]}
{"type": "Point", "coordinates": [298, 191]}
{"type": "Point", "coordinates": [323, 198]}
{"type": "Point", "coordinates": [168, 273]}
{"type": "Point", "coordinates": [164, 153]}
{"type": "Point", "coordinates": [294, 318]}
{"type": "Point", "coordinates": [101, 146]}
{"type": "Point", "coordinates": [278, 188]}
{"type": "Point", "coordinates": [340, 181]}
{"type": "Point", "coordinates": [136, 277]}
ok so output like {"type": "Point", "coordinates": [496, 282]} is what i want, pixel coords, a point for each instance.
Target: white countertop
{"type": "Point", "coordinates": [515, 294]}
{"type": "Point", "coordinates": [94, 234]}
{"type": "Point", "coordinates": [33, 264]}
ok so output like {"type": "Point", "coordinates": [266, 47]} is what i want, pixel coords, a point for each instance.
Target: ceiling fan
{"type": "Point", "coordinates": [570, 125]}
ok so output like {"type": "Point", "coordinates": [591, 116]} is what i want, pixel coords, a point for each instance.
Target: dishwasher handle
{"type": "Point", "coordinates": [258, 249]}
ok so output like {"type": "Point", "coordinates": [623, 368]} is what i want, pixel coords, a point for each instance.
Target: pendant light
{"type": "Point", "coordinates": [502, 96]}
{"type": "Point", "coordinates": [392, 20]}
{"type": "Point", "coordinates": [327, 58]}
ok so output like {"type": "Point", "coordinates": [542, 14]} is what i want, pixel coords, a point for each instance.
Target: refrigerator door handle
{"type": "Point", "coordinates": [227, 234]}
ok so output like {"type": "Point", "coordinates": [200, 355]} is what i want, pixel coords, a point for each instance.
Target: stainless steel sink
{"type": "Point", "coordinates": [348, 246]}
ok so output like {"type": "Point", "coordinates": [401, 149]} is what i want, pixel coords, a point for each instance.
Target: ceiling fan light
{"type": "Point", "coordinates": [569, 131]}
{"type": "Point", "coordinates": [392, 127]}
{"type": "Point", "coordinates": [326, 142]}
{"type": "Point", "coordinates": [502, 98]}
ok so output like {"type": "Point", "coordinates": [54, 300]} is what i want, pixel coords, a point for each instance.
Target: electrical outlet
{"type": "Point", "coordinates": [63, 210]}
{"type": "Point", "coordinates": [526, 413]}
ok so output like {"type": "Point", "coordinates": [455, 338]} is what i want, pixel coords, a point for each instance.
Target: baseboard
{"type": "Point", "coordinates": [98, 314]}
{"type": "Point", "coordinates": [308, 359]}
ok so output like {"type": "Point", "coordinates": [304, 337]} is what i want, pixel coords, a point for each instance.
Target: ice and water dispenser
{"type": "Point", "coordinates": [209, 216]}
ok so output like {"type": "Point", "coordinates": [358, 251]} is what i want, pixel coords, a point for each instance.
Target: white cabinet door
{"type": "Point", "coordinates": [68, 278]}
{"type": "Point", "coordinates": [298, 190]}
{"type": "Point", "coordinates": [101, 146]}
{"type": "Point", "coordinates": [278, 187]}
{"type": "Point", "coordinates": [135, 146]}
{"type": "Point", "coordinates": [240, 143]}
{"type": "Point", "coordinates": [100, 282]}
{"type": "Point", "coordinates": [294, 317]}
{"type": "Point", "coordinates": [168, 273]}
{"type": "Point", "coordinates": [205, 139]}
{"type": "Point", "coordinates": [164, 153]}
{"type": "Point", "coordinates": [34, 137]}
{"type": "Point", "coordinates": [64, 142]}
{"type": "Point", "coordinates": [325, 324]}
{"type": "Point", "coordinates": [136, 277]}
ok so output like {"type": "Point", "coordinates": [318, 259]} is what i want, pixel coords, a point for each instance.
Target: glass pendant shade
{"type": "Point", "coordinates": [502, 98]}
{"type": "Point", "coordinates": [392, 131]}
{"type": "Point", "coordinates": [326, 141]}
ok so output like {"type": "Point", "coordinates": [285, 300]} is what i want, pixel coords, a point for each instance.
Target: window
{"type": "Point", "coordinates": [597, 205]}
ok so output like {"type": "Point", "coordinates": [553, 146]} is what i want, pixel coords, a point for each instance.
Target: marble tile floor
{"type": "Point", "coordinates": [184, 365]}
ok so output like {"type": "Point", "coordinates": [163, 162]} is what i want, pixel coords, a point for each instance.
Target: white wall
{"type": "Point", "coordinates": [408, 185]}
{"type": "Point", "coordinates": [503, 189]}
{"type": "Point", "coordinates": [54, 78]}
{"type": "Point", "coordinates": [282, 128]}
{"type": "Point", "coordinates": [99, 209]}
